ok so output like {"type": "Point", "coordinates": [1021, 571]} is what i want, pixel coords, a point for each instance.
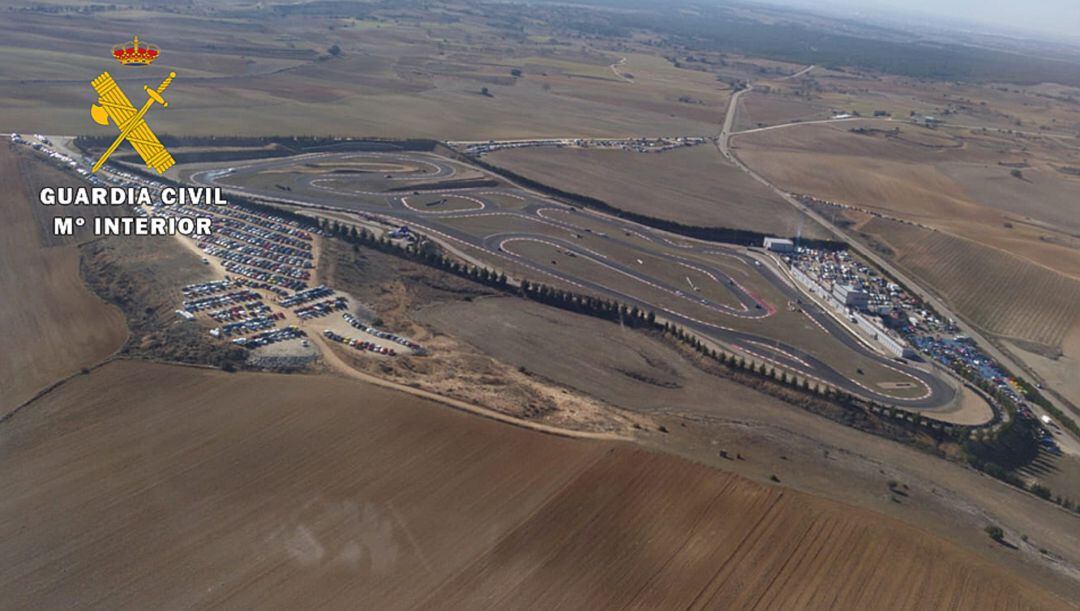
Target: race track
{"type": "Point", "coordinates": [720, 292]}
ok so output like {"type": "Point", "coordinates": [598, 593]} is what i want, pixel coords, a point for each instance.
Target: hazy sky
{"type": "Point", "coordinates": [1060, 17]}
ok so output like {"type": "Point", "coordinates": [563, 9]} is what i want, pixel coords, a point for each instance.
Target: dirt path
{"type": "Point", "coordinates": [336, 363]}
{"type": "Point", "coordinates": [799, 73]}
{"type": "Point", "coordinates": [615, 68]}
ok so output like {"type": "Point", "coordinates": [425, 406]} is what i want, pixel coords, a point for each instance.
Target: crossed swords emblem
{"type": "Point", "coordinates": [113, 104]}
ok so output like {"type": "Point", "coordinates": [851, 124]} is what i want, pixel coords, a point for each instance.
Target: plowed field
{"type": "Point", "coordinates": [146, 486]}
{"type": "Point", "coordinates": [51, 325]}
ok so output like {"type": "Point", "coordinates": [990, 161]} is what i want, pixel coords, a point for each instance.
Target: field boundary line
{"type": "Point", "coordinates": [58, 383]}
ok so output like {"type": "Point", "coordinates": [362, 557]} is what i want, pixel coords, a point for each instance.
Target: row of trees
{"type": "Point", "coordinates": [995, 451]}
{"type": "Point", "coordinates": [294, 144]}
{"type": "Point", "coordinates": [427, 252]}
{"type": "Point", "coordinates": [725, 235]}
{"type": "Point", "coordinates": [422, 251]}
{"type": "Point", "coordinates": [608, 309]}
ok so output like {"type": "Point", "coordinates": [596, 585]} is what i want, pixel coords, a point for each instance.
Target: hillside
{"type": "Point", "coordinates": [261, 490]}
{"type": "Point", "coordinates": [51, 324]}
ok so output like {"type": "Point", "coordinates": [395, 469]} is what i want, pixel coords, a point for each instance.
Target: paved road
{"type": "Point", "coordinates": [530, 218]}
{"type": "Point", "coordinates": [1068, 442]}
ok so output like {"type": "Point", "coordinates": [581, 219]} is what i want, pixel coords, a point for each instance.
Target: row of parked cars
{"type": "Point", "coordinates": [272, 336]}
{"type": "Point", "coordinates": [322, 308]}
{"type": "Point", "coordinates": [268, 245]}
{"type": "Point", "coordinates": [239, 312]}
{"type": "Point", "coordinates": [263, 276]}
{"type": "Point", "coordinates": [261, 286]}
{"type": "Point", "coordinates": [261, 233]}
{"type": "Point", "coordinates": [206, 288]}
{"type": "Point", "coordinates": [282, 269]}
{"type": "Point", "coordinates": [267, 221]}
{"type": "Point", "coordinates": [359, 324]}
{"type": "Point", "coordinates": [249, 248]}
{"type": "Point", "coordinates": [219, 301]}
{"type": "Point", "coordinates": [359, 344]}
{"type": "Point", "coordinates": [306, 295]}
{"type": "Point", "coordinates": [302, 262]}
{"type": "Point", "coordinates": [247, 325]}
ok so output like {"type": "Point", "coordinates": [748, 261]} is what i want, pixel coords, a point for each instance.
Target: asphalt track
{"type": "Point", "coordinates": [382, 195]}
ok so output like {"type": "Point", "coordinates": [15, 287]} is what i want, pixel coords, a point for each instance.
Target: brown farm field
{"type": "Point", "coordinates": [989, 220]}
{"type": "Point", "coordinates": [711, 419]}
{"type": "Point", "coordinates": [694, 186]}
{"type": "Point", "coordinates": [144, 484]}
{"type": "Point", "coordinates": [1027, 302]}
{"type": "Point", "coordinates": [51, 323]}
{"type": "Point", "coordinates": [1046, 107]}
{"type": "Point", "coordinates": [956, 180]}
{"type": "Point", "coordinates": [261, 490]}
{"type": "Point", "coordinates": [396, 73]}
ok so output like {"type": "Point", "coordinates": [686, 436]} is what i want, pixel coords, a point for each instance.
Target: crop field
{"type": "Point", "coordinates": [51, 324]}
{"type": "Point", "coordinates": [1007, 251]}
{"type": "Point", "coordinates": [1045, 195]}
{"type": "Point", "coordinates": [1002, 294]}
{"type": "Point", "coordinates": [407, 503]}
{"type": "Point", "coordinates": [774, 549]}
{"type": "Point", "coordinates": [694, 186]}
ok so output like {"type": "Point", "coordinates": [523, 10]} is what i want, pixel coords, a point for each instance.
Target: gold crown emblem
{"type": "Point", "coordinates": [136, 53]}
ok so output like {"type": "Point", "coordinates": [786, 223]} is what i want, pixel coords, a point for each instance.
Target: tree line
{"type": "Point", "coordinates": [630, 315]}
{"type": "Point", "coordinates": [726, 235]}
{"type": "Point", "coordinates": [996, 450]}
{"type": "Point", "coordinates": [293, 144]}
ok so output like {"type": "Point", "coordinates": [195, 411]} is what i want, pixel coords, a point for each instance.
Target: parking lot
{"type": "Point", "coordinates": [253, 245]}
{"type": "Point", "coordinates": [270, 263]}
{"type": "Point", "coordinates": [938, 339]}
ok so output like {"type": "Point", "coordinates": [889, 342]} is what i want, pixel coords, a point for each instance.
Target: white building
{"type": "Point", "coordinates": [779, 245]}
{"type": "Point", "coordinates": [851, 296]}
